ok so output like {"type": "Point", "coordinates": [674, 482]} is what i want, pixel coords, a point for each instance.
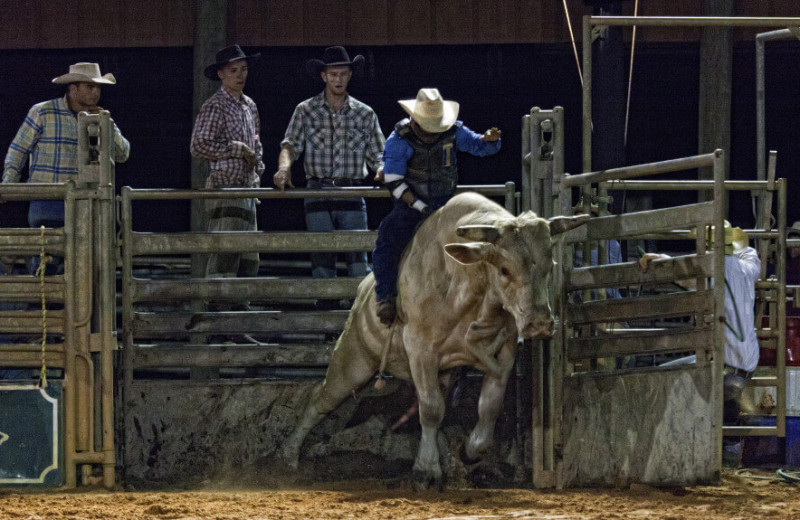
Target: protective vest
{"type": "Point", "coordinates": [431, 172]}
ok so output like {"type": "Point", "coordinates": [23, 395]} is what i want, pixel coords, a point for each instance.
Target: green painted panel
{"type": "Point", "coordinates": [30, 434]}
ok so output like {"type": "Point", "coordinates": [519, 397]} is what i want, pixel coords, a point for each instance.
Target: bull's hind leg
{"type": "Point", "coordinates": [349, 369]}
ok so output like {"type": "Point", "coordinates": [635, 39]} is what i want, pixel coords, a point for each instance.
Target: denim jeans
{"type": "Point", "coordinates": [394, 234]}
{"type": "Point", "coordinates": [326, 215]}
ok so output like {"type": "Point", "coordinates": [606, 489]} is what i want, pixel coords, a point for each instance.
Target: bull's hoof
{"type": "Point", "coordinates": [466, 459]}
{"type": "Point", "coordinates": [423, 480]}
{"type": "Point", "coordinates": [487, 475]}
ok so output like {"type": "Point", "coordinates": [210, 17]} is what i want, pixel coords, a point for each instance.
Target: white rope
{"type": "Point", "coordinates": [630, 78]}
{"type": "Point", "coordinates": [572, 37]}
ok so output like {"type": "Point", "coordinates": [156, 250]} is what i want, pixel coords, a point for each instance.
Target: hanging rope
{"type": "Point", "coordinates": [43, 259]}
{"type": "Point", "coordinates": [572, 37]}
{"type": "Point", "coordinates": [630, 78]}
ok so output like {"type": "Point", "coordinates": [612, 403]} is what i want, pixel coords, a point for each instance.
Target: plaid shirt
{"type": "Point", "coordinates": [49, 135]}
{"type": "Point", "coordinates": [338, 145]}
{"type": "Point", "coordinates": [222, 129]}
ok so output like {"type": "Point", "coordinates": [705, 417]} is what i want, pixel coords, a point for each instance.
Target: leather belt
{"type": "Point", "coordinates": [338, 182]}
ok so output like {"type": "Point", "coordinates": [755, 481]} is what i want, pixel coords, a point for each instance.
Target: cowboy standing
{"type": "Point", "coordinates": [226, 133]}
{"type": "Point", "coordinates": [421, 173]}
{"type": "Point", "coordinates": [340, 136]}
{"type": "Point", "coordinates": [49, 137]}
{"type": "Point", "coordinates": [742, 269]}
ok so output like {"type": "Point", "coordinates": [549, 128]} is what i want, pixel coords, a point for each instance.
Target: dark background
{"type": "Point", "coordinates": [495, 85]}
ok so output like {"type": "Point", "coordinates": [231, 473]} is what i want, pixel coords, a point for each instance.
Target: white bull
{"type": "Point", "coordinates": [473, 280]}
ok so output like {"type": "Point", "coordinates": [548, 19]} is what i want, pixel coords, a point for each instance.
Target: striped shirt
{"type": "Point", "coordinates": [337, 145]}
{"type": "Point", "coordinates": [223, 127]}
{"type": "Point", "coordinates": [49, 136]}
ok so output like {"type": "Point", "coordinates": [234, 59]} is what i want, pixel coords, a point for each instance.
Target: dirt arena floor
{"type": "Point", "coordinates": [735, 498]}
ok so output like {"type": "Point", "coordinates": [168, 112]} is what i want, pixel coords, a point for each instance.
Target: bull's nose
{"type": "Point", "coordinates": [538, 328]}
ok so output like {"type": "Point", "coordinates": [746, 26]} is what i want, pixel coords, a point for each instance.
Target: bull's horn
{"type": "Point", "coordinates": [559, 225]}
{"type": "Point", "coordinates": [479, 233]}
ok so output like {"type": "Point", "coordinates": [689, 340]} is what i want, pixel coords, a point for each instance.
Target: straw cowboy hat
{"type": "Point", "coordinates": [736, 238]}
{"type": "Point", "coordinates": [227, 55]}
{"type": "Point", "coordinates": [430, 111]}
{"type": "Point", "coordinates": [85, 73]}
{"type": "Point", "coordinates": [334, 56]}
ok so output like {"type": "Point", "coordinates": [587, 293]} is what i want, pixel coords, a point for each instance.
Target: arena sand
{"type": "Point", "coordinates": [735, 498]}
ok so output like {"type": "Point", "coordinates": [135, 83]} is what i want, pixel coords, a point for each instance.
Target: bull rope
{"type": "Point", "coordinates": [381, 382]}
{"type": "Point", "coordinates": [43, 259]}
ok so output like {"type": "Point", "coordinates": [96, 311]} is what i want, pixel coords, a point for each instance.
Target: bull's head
{"type": "Point", "coordinates": [520, 255]}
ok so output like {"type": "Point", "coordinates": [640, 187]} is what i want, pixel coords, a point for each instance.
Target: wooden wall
{"type": "Point", "coordinates": [50, 24]}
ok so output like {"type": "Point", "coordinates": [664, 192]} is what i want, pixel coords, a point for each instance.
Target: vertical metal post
{"type": "Point", "coordinates": [546, 159]}
{"type": "Point", "coordinates": [527, 158]}
{"type": "Point", "coordinates": [106, 291]}
{"type": "Point", "coordinates": [587, 93]}
{"type": "Point", "coordinates": [719, 303]}
{"type": "Point", "coordinates": [780, 269]}
{"type": "Point", "coordinates": [127, 309]}
{"type": "Point", "coordinates": [70, 290]}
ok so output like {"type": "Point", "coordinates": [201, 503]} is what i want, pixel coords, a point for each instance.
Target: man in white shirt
{"type": "Point", "coordinates": [742, 269]}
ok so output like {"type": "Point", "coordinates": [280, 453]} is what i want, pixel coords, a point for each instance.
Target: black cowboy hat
{"type": "Point", "coordinates": [227, 55]}
{"type": "Point", "coordinates": [334, 56]}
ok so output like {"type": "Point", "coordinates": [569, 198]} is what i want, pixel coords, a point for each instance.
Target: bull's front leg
{"type": "Point", "coordinates": [424, 371]}
{"type": "Point", "coordinates": [490, 402]}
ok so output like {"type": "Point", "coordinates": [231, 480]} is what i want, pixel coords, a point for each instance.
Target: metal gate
{"type": "Point", "coordinates": [66, 322]}
{"type": "Point", "coordinates": [609, 407]}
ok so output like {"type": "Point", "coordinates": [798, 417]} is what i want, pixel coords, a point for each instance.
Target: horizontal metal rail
{"type": "Point", "coordinates": [492, 190]}
{"type": "Point", "coordinates": [650, 307]}
{"type": "Point", "coordinates": [243, 288]}
{"type": "Point", "coordinates": [659, 271]}
{"type": "Point", "coordinates": [295, 354]}
{"type": "Point", "coordinates": [235, 242]}
{"type": "Point", "coordinates": [30, 322]}
{"type": "Point", "coordinates": [633, 225]}
{"type": "Point", "coordinates": [661, 341]}
{"type": "Point", "coordinates": [639, 170]}
{"type": "Point", "coordinates": [31, 289]}
{"type": "Point", "coordinates": [675, 185]}
{"type": "Point", "coordinates": [150, 324]}
{"type": "Point", "coordinates": [695, 21]}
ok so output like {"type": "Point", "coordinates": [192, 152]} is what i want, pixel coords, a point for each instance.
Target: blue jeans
{"type": "Point", "coordinates": [50, 214]}
{"type": "Point", "coordinates": [327, 215]}
{"type": "Point", "coordinates": [394, 234]}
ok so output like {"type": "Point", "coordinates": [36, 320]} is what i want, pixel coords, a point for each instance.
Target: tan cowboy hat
{"type": "Point", "coordinates": [736, 238]}
{"type": "Point", "coordinates": [430, 111]}
{"type": "Point", "coordinates": [85, 73]}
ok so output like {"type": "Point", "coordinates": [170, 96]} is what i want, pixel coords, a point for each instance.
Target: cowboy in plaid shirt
{"type": "Point", "coordinates": [340, 136]}
{"type": "Point", "coordinates": [49, 138]}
